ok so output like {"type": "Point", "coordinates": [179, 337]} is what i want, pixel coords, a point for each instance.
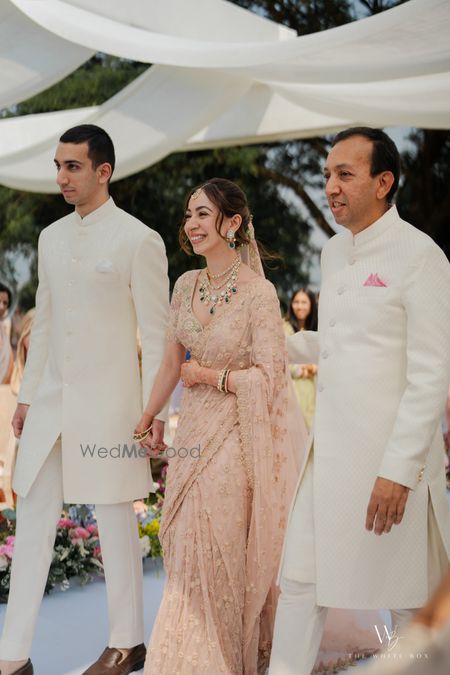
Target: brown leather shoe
{"type": "Point", "coordinates": [111, 662]}
{"type": "Point", "coordinates": [27, 669]}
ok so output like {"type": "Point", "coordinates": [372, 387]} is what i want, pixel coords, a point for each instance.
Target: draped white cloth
{"type": "Point", "coordinates": [223, 76]}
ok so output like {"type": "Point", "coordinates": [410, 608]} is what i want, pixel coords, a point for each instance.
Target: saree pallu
{"type": "Point", "coordinates": [228, 491]}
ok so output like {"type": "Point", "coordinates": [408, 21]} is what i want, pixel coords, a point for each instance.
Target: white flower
{"type": "Point", "coordinates": [145, 545]}
{"type": "Point", "coordinates": [4, 562]}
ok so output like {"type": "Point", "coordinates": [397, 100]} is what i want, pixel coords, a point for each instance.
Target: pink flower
{"type": "Point", "coordinates": [96, 552]}
{"type": "Point", "coordinates": [7, 550]}
{"type": "Point", "coordinates": [92, 529]}
{"type": "Point", "coordinates": [140, 507]}
{"type": "Point", "coordinates": [79, 533]}
{"type": "Point", "coordinates": [10, 540]}
{"type": "Point", "coordinates": [66, 523]}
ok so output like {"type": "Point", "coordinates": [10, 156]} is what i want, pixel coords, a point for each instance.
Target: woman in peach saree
{"type": "Point", "coordinates": [239, 445]}
{"type": "Point", "coordinates": [231, 482]}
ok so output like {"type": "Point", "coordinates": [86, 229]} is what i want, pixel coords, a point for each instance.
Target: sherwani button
{"type": "Point", "coordinates": [325, 354]}
{"type": "Point", "coordinates": [332, 322]}
{"type": "Point", "coordinates": [340, 290]}
{"type": "Point", "coordinates": [321, 387]}
{"type": "Point", "coordinates": [74, 260]}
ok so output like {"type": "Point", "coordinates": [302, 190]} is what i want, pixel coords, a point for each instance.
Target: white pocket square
{"type": "Point", "coordinates": [104, 266]}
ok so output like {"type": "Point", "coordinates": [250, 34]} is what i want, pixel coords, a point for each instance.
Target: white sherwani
{"type": "Point", "coordinates": [384, 368]}
{"type": "Point", "coordinates": [100, 278]}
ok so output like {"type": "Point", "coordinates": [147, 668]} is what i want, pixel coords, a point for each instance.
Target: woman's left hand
{"type": "Point", "coordinates": [191, 373]}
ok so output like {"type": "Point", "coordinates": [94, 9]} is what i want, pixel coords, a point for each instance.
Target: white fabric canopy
{"type": "Point", "coordinates": [411, 39]}
{"type": "Point", "coordinates": [41, 42]}
{"type": "Point", "coordinates": [391, 69]}
{"type": "Point", "coordinates": [31, 59]}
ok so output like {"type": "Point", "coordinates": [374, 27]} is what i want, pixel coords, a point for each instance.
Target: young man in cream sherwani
{"type": "Point", "coordinates": [370, 525]}
{"type": "Point", "coordinates": [102, 274]}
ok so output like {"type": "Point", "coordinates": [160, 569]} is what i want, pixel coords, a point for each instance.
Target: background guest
{"type": "Point", "coordinates": [6, 355]}
{"type": "Point", "coordinates": [7, 400]}
{"type": "Point", "coordinates": [302, 315]}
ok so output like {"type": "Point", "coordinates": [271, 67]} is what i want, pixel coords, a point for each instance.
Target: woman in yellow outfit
{"type": "Point", "coordinates": [302, 315]}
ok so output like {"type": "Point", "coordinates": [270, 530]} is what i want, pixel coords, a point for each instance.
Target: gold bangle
{"type": "Point", "coordinates": [142, 435]}
{"type": "Point", "coordinates": [220, 379]}
{"type": "Point", "coordinates": [222, 384]}
{"type": "Point", "coordinates": [225, 384]}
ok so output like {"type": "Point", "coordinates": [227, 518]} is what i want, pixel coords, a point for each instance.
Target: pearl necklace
{"type": "Point", "coordinates": [206, 289]}
{"type": "Point", "coordinates": [217, 276]}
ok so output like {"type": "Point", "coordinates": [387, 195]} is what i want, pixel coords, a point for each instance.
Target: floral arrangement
{"type": "Point", "coordinates": [77, 552]}
{"type": "Point", "coordinates": [148, 513]}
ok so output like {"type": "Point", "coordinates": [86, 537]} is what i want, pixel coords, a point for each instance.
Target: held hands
{"type": "Point", "coordinates": [191, 373]}
{"type": "Point", "coordinates": [154, 441]}
{"type": "Point", "coordinates": [386, 505]}
{"type": "Point", "coordinates": [19, 419]}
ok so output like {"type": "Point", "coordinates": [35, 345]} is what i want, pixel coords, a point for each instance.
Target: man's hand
{"type": "Point", "coordinates": [386, 505]}
{"type": "Point", "coordinates": [154, 443]}
{"type": "Point", "coordinates": [19, 419]}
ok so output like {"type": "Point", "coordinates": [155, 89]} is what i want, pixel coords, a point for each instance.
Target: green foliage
{"type": "Point", "coordinates": [424, 197]}
{"type": "Point", "coordinates": [304, 16]}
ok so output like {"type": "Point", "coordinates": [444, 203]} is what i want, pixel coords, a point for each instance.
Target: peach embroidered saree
{"type": "Point", "coordinates": [228, 490]}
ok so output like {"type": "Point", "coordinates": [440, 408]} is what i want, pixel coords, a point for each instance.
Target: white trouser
{"type": "Point", "coordinates": [299, 628]}
{"type": "Point", "coordinates": [37, 517]}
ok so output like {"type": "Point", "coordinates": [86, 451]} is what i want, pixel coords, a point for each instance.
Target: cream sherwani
{"type": "Point", "coordinates": [384, 368]}
{"type": "Point", "coordinates": [100, 278]}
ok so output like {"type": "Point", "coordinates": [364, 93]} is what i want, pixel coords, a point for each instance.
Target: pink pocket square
{"type": "Point", "coordinates": [374, 280]}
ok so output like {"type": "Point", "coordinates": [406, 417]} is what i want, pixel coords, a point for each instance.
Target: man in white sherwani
{"type": "Point", "coordinates": [102, 275]}
{"type": "Point", "coordinates": [376, 466]}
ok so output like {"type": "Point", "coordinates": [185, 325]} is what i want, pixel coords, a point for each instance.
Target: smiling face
{"type": "Point", "coordinates": [301, 306]}
{"type": "Point", "coordinates": [81, 184]}
{"type": "Point", "coordinates": [356, 198]}
{"type": "Point", "coordinates": [200, 225]}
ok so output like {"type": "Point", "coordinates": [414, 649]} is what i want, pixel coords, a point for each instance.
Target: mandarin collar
{"type": "Point", "coordinates": [378, 227]}
{"type": "Point", "coordinates": [96, 216]}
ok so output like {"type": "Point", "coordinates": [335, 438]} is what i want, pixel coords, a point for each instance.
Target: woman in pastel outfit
{"type": "Point", "coordinates": [6, 354]}
{"type": "Point", "coordinates": [239, 442]}
{"type": "Point", "coordinates": [8, 403]}
{"type": "Point", "coordinates": [7, 399]}
{"type": "Point", "coordinates": [302, 315]}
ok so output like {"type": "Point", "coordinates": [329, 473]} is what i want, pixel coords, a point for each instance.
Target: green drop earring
{"type": "Point", "coordinates": [231, 239]}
